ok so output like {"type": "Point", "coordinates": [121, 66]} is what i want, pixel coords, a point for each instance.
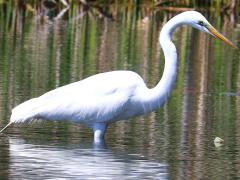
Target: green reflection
{"type": "Point", "coordinates": [40, 54]}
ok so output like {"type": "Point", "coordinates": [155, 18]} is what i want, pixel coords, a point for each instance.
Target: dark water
{"type": "Point", "coordinates": [38, 54]}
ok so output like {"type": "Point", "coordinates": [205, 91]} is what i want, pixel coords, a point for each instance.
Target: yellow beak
{"type": "Point", "coordinates": [220, 36]}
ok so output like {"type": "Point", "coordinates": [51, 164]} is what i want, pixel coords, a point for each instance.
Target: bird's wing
{"type": "Point", "coordinates": [96, 99]}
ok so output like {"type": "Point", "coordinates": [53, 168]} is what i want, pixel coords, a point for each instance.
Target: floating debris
{"type": "Point", "coordinates": [218, 141]}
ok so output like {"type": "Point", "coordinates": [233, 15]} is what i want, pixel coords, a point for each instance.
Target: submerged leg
{"type": "Point", "coordinates": [99, 130]}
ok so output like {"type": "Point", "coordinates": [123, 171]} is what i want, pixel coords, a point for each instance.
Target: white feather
{"type": "Point", "coordinates": [103, 98]}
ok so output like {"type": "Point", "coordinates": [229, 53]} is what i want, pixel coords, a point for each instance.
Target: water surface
{"type": "Point", "coordinates": [38, 54]}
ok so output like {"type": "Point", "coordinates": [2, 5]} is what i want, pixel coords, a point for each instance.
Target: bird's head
{"type": "Point", "coordinates": [198, 21]}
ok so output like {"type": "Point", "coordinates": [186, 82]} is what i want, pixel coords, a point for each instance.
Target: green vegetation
{"type": "Point", "coordinates": [43, 47]}
{"type": "Point", "coordinates": [111, 9]}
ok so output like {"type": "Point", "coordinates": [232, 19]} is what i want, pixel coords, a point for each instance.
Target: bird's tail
{"type": "Point", "coordinates": [24, 112]}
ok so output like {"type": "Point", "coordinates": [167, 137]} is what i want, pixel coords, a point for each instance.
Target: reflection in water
{"type": "Point", "coordinates": [42, 161]}
{"type": "Point", "coordinates": [39, 55]}
{"type": "Point", "coordinates": [4, 158]}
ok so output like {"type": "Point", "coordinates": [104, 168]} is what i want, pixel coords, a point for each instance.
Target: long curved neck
{"type": "Point", "coordinates": [158, 95]}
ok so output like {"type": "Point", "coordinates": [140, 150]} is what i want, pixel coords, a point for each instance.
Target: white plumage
{"type": "Point", "coordinates": [99, 98]}
{"type": "Point", "coordinates": [107, 97]}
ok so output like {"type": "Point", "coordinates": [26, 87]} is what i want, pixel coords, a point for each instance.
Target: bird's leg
{"type": "Point", "coordinates": [99, 130]}
{"type": "Point", "coordinates": [5, 127]}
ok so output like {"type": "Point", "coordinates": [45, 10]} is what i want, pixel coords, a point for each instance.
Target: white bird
{"type": "Point", "coordinates": [108, 97]}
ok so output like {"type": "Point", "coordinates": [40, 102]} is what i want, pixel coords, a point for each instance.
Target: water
{"type": "Point", "coordinates": [78, 162]}
{"type": "Point", "coordinates": [176, 142]}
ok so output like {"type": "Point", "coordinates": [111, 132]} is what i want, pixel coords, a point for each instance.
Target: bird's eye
{"type": "Point", "coordinates": [201, 23]}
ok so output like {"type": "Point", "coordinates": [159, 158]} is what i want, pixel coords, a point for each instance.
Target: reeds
{"type": "Point", "coordinates": [110, 9]}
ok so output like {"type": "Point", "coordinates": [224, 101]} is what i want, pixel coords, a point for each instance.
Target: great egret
{"type": "Point", "coordinates": [108, 97]}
